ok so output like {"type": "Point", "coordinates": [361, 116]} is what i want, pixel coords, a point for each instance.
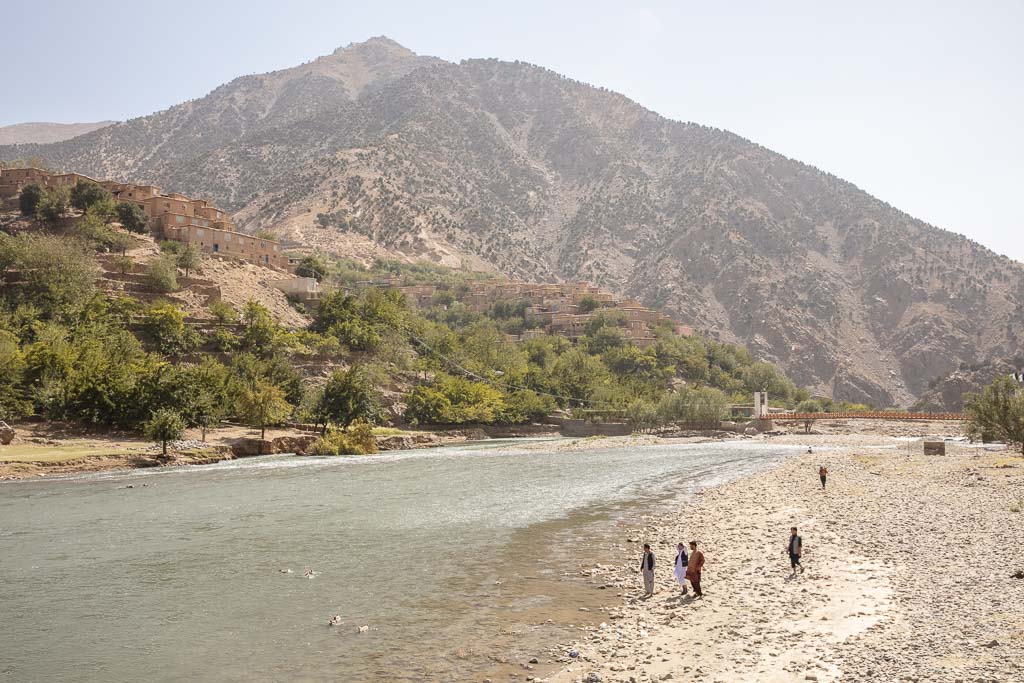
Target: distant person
{"type": "Point", "coordinates": [795, 548]}
{"type": "Point", "coordinates": [682, 559]}
{"type": "Point", "coordinates": [647, 568]}
{"type": "Point", "coordinates": [823, 475]}
{"type": "Point", "coordinates": [694, 567]}
{"type": "Point", "coordinates": [810, 450]}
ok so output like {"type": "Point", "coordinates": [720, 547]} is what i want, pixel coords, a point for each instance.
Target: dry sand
{"type": "Point", "coordinates": [910, 564]}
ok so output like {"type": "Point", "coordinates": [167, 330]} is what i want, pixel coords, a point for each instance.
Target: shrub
{"type": "Point", "coordinates": [356, 439]}
{"type": "Point", "coordinates": [223, 312]}
{"type": "Point", "coordinates": [162, 274]}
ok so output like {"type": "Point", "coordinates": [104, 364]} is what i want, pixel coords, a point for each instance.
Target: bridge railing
{"type": "Point", "coordinates": [879, 415]}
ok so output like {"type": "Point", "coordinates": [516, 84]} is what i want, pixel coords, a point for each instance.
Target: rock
{"type": "Point", "coordinates": [6, 433]}
{"type": "Point", "coordinates": [363, 629]}
{"type": "Point", "coordinates": [534, 660]}
{"type": "Point", "coordinates": [593, 677]}
{"type": "Point", "coordinates": [991, 643]}
{"type": "Point", "coordinates": [574, 653]}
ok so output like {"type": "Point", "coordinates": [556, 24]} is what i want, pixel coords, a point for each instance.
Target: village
{"type": "Point", "coordinates": [564, 309]}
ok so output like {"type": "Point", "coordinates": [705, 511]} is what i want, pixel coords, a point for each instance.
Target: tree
{"type": "Point", "coordinates": [132, 217]}
{"type": "Point", "coordinates": [28, 200]}
{"type": "Point", "coordinates": [809, 406]}
{"type": "Point", "coordinates": [52, 205]}
{"type": "Point", "coordinates": [311, 266]}
{"type": "Point", "coordinates": [12, 370]}
{"type": "Point", "coordinates": [60, 272]}
{"type": "Point", "coordinates": [189, 258]}
{"type": "Point", "coordinates": [85, 194]}
{"type": "Point", "coordinates": [586, 304]}
{"type": "Point", "coordinates": [162, 274]}
{"type": "Point", "coordinates": [997, 414]}
{"type": "Point", "coordinates": [263, 404]}
{"type": "Point", "coordinates": [260, 329]}
{"type": "Point", "coordinates": [165, 425]}
{"type": "Point", "coordinates": [348, 396]}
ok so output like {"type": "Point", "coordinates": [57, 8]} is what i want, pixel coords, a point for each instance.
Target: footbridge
{"type": "Point", "coordinates": [871, 415]}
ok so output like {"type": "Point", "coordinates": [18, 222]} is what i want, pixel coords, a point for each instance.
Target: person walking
{"type": "Point", "coordinates": [681, 562]}
{"type": "Point", "coordinates": [694, 567]}
{"type": "Point", "coordinates": [647, 568]}
{"type": "Point", "coordinates": [823, 475]}
{"type": "Point", "coordinates": [795, 548]}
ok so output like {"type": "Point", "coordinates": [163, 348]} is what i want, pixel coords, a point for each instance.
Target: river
{"type": "Point", "coordinates": [182, 573]}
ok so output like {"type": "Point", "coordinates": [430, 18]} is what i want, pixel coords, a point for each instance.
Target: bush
{"type": "Point", "coordinates": [223, 312]}
{"type": "Point", "coordinates": [997, 414]}
{"type": "Point", "coordinates": [356, 439]}
{"type": "Point", "coordinates": [162, 274]}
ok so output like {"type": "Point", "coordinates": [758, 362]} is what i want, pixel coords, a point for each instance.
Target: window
{"type": "Point", "coordinates": [216, 248]}
{"type": "Point", "coordinates": [227, 237]}
{"type": "Point", "coordinates": [200, 232]}
{"type": "Point", "coordinates": [179, 219]}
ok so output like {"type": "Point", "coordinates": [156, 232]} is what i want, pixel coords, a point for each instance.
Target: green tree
{"type": "Point", "coordinates": [997, 414]}
{"type": "Point", "coordinates": [165, 326]}
{"type": "Point", "coordinates": [59, 273]}
{"type": "Point", "coordinates": [120, 242]}
{"type": "Point", "coordinates": [189, 258]}
{"type": "Point", "coordinates": [809, 406]}
{"type": "Point", "coordinates": [260, 331]}
{"type": "Point", "coordinates": [162, 273]}
{"type": "Point", "coordinates": [586, 304]}
{"type": "Point", "coordinates": [13, 401]}
{"type": "Point", "coordinates": [348, 396]}
{"type": "Point", "coordinates": [311, 266]}
{"type": "Point", "coordinates": [164, 426]}
{"type": "Point", "coordinates": [52, 205]}
{"type": "Point", "coordinates": [86, 194]}
{"type": "Point", "coordinates": [263, 404]}
{"type": "Point", "coordinates": [132, 217]}
{"type": "Point", "coordinates": [28, 200]}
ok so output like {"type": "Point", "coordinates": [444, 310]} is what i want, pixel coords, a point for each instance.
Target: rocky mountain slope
{"type": "Point", "coordinates": [512, 167]}
{"type": "Point", "coordinates": [947, 393]}
{"type": "Point", "coordinates": [43, 132]}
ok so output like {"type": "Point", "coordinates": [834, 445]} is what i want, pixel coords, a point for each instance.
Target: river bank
{"type": "Point", "coordinates": [51, 449]}
{"type": "Point", "coordinates": [914, 572]}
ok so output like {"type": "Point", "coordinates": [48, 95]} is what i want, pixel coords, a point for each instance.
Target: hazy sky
{"type": "Point", "coordinates": [919, 103]}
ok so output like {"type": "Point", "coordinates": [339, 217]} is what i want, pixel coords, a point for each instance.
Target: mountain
{"type": "Point", "coordinates": [512, 167]}
{"type": "Point", "coordinates": [43, 133]}
{"type": "Point", "coordinates": [947, 393]}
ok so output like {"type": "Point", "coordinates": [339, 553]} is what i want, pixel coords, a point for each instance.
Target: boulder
{"type": "Point", "coordinates": [6, 433]}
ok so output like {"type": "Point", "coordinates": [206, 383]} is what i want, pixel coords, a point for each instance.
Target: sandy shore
{"type": "Point", "coordinates": [910, 564]}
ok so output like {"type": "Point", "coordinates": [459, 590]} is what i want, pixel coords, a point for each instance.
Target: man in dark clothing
{"type": "Point", "coordinates": [795, 548]}
{"type": "Point", "coordinates": [647, 567]}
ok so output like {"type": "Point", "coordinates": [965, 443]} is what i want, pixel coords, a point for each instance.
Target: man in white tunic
{"type": "Point", "coordinates": [681, 561]}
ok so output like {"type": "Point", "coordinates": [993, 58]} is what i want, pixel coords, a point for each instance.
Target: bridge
{"type": "Point", "coordinates": [871, 415]}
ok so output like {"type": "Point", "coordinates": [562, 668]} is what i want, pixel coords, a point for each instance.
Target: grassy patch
{"type": "Point", "coordinates": [34, 453]}
{"type": "Point", "coordinates": [388, 431]}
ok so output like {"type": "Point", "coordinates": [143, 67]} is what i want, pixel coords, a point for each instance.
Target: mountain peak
{"type": "Point", "coordinates": [377, 44]}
